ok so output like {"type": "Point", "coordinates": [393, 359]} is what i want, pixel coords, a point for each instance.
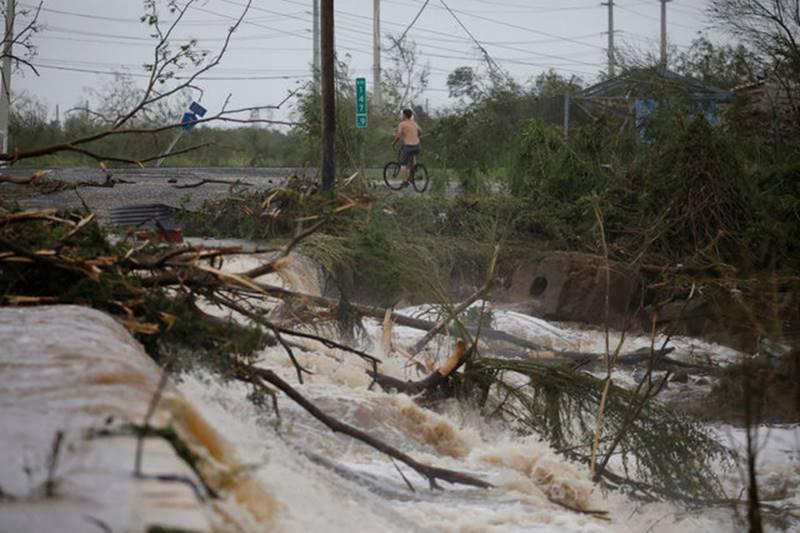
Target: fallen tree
{"type": "Point", "coordinates": [155, 291]}
{"type": "Point", "coordinates": [47, 258]}
{"type": "Point", "coordinates": [431, 473]}
{"type": "Point", "coordinates": [428, 385]}
{"type": "Point", "coordinates": [662, 451]}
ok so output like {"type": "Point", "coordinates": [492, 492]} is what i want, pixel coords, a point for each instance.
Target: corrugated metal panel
{"type": "Point", "coordinates": [144, 215]}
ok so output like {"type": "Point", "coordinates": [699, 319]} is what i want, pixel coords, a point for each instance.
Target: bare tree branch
{"type": "Point", "coordinates": [431, 473]}
{"type": "Point", "coordinates": [162, 70]}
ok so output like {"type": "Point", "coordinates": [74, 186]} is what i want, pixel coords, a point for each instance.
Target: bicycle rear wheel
{"type": "Point", "coordinates": [420, 181]}
{"type": "Point", "coordinates": [390, 176]}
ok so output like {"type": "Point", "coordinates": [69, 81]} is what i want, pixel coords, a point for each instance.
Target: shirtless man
{"type": "Point", "coordinates": [408, 135]}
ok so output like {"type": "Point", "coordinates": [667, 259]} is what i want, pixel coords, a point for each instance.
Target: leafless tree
{"type": "Point", "coordinates": [174, 70]}
{"type": "Point", "coordinates": [405, 79]}
{"type": "Point", "coordinates": [771, 28]}
{"type": "Point", "coordinates": [21, 37]}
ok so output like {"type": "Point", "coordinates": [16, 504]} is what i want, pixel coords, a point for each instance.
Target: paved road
{"type": "Point", "coordinates": [157, 186]}
{"type": "Point", "coordinates": [144, 186]}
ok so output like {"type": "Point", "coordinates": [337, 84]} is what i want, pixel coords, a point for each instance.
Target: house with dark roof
{"type": "Point", "coordinates": [637, 93]}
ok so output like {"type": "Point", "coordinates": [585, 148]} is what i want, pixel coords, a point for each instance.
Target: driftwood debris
{"type": "Point", "coordinates": [660, 359]}
{"type": "Point", "coordinates": [380, 314]}
{"type": "Point", "coordinates": [433, 381]}
{"type": "Point", "coordinates": [431, 473]}
{"type": "Point", "coordinates": [41, 183]}
{"type": "Point", "coordinates": [530, 350]}
{"type": "Point", "coordinates": [204, 181]}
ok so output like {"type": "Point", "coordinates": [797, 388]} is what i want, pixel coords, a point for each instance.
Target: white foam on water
{"type": "Point", "coordinates": [526, 473]}
{"type": "Point", "coordinates": [324, 481]}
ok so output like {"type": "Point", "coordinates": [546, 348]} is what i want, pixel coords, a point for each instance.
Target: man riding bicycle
{"type": "Point", "coordinates": [408, 135]}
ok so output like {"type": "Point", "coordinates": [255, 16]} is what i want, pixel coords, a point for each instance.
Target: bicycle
{"type": "Point", "coordinates": [417, 175]}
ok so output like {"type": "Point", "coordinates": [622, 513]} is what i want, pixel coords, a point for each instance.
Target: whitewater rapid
{"type": "Point", "coordinates": [287, 472]}
{"type": "Point", "coordinates": [329, 482]}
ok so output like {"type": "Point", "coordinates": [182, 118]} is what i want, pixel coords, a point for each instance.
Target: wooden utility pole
{"type": "Point", "coordinates": [664, 33]}
{"type": "Point", "coordinates": [315, 35]}
{"type": "Point", "coordinates": [611, 55]}
{"type": "Point", "coordinates": [376, 55]}
{"type": "Point", "coordinates": [5, 90]}
{"type": "Point", "coordinates": [328, 97]}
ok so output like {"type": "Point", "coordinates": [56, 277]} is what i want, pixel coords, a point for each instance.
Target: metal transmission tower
{"type": "Point", "coordinates": [376, 55]}
{"type": "Point", "coordinates": [612, 63]}
{"type": "Point", "coordinates": [328, 97]}
{"type": "Point", "coordinates": [664, 33]}
{"type": "Point", "coordinates": [5, 90]}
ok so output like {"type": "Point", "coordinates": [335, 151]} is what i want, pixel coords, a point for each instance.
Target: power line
{"type": "Point", "coordinates": [138, 22]}
{"type": "Point", "coordinates": [139, 38]}
{"type": "Point", "coordinates": [510, 4]}
{"type": "Point", "coordinates": [405, 31]}
{"type": "Point", "coordinates": [491, 62]}
{"type": "Point", "coordinates": [522, 9]}
{"type": "Point", "coordinates": [179, 78]}
{"type": "Point", "coordinates": [645, 15]}
{"type": "Point", "coordinates": [256, 24]}
{"type": "Point", "coordinates": [428, 38]}
{"type": "Point", "coordinates": [523, 28]}
{"type": "Point", "coordinates": [81, 63]}
{"type": "Point", "coordinates": [81, 15]}
{"type": "Point", "coordinates": [689, 10]}
{"type": "Point", "coordinates": [144, 41]}
{"type": "Point", "coordinates": [262, 9]}
{"type": "Point", "coordinates": [363, 17]}
{"type": "Point", "coordinates": [556, 38]}
{"type": "Point", "coordinates": [149, 45]}
{"type": "Point", "coordinates": [480, 46]}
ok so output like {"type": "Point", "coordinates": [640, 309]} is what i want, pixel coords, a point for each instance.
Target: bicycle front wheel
{"type": "Point", "coordinates": [391, 174]}
{"type": "Point", "coordinates": [421, 178]}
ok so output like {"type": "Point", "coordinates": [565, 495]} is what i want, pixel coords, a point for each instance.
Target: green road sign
{"type": "Point", "coordinates": [361, 96]}
{"type": "Point", "coordinates": [361, 103]}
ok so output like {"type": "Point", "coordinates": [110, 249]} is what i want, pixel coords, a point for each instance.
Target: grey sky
{"type": "Point", "coordinates": [271, 53]}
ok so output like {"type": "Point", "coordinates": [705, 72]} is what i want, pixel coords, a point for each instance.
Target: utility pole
{"type": "Point", "coordinates": [328, 98]}
{"type": "Point", "coordinates": [611, 55]}
{"type": "Point", "coordinates": [5, 91]}
{"type": "Point", "coordinates": [664, 33]}
{"type": "Point", "coordinates": [315, 32]}
{"type": "Point", "coordinates": [376, 54]}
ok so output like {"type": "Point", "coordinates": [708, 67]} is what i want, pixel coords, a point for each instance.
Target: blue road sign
{"type": "Point", "coordinates": [197, 109]}
{"type": "Point", "coordinates": [188, 121]}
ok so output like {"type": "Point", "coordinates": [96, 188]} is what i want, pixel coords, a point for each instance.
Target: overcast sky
{"type": "Point", "coordinates": [82, 42]}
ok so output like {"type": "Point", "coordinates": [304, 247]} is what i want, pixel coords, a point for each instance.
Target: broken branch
{"type": "Point", "coordinates": [431, 473]}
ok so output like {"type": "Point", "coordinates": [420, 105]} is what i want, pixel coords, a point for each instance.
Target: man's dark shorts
{"type": "Point", "coordinates": [406, 152]}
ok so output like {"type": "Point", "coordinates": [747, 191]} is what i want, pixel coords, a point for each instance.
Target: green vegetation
{"type": "Point", "coordinates": [671, 452]}
{"type": "Point", "coordinates": [92, 270]}
{"type": "Point", "coordinates": [395, 248]}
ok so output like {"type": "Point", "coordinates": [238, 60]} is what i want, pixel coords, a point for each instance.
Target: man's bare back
{"type": "Point", "coordinates": [408, 132]}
